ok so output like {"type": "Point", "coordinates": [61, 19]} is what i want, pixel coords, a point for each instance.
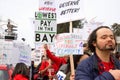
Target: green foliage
{"type": "Point", "coordinates": [64, 27]}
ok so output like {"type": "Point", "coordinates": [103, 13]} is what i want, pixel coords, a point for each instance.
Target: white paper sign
{"type": "Point", "coordinates": [12, 52]}
{"type": "Point", "coordinates": [47, 5]}
{"type": "Point", "coordinates": [61, 75]}
{"type": "Point", "coordinates": [69, 10]}
{"type": "Point", "coordinates": [68, 43]}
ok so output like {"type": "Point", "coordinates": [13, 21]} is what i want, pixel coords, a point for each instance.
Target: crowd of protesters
{"type": "Point", "coordinates": [96, 63]}
{"type": "Point", "coordinates": [51, 64]}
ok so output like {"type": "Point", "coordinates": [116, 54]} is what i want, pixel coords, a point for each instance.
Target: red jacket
{"type": "Point", "coordinates": [44, 64]}
{"type": "Point", "coordinates": [57, 60]}
{"type": "Point", "coordinates": [20, 77]}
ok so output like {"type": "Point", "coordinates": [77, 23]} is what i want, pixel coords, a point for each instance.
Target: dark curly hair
{"type": "Point", "coordinates": [93, 36]}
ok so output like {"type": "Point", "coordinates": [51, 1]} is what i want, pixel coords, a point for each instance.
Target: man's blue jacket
{"type": "Point", "coordinates": [88, 70]}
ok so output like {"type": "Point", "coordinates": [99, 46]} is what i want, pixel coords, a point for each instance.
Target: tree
{"type": "Point", "coordinates": [116, 29]}
{"type": "Point", "coordinates": [64, 27]}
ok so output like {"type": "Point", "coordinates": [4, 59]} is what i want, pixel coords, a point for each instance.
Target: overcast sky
{"type": "Point", "coordinates": [107, 11]}
{"type": "Point", "coordinates": [22, 11]}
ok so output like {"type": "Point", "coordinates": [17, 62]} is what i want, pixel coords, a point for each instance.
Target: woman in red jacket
{"type": "Point", "coordinates": [20, 72]}
{"type": "Point", "coordinates": [47, 69]}
{"type": "Point", "coordinates": [57, 60]}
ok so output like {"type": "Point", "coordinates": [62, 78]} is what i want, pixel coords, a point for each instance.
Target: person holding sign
{"type": "Point", "coordinates": [57, 60]}
{"type": "Point", "coordinates": [102, 65]}
{"type": "Point", "coordinates": [47, 69]}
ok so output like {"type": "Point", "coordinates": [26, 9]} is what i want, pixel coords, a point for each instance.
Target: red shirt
{"type": "Point", "coordinates": [20, 77]}
{"type": "Point", "coordinates": [51, 71]}
{"type": "Point", "coordinates": [104, 66]}
{"type": "Point", "coordinates": [108, 65]}
{"type": "Point", "coordinates": [57, 60]}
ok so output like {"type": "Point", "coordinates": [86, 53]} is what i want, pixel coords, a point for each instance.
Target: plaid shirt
{"type": "Point", "coordinates": [101, 66]}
